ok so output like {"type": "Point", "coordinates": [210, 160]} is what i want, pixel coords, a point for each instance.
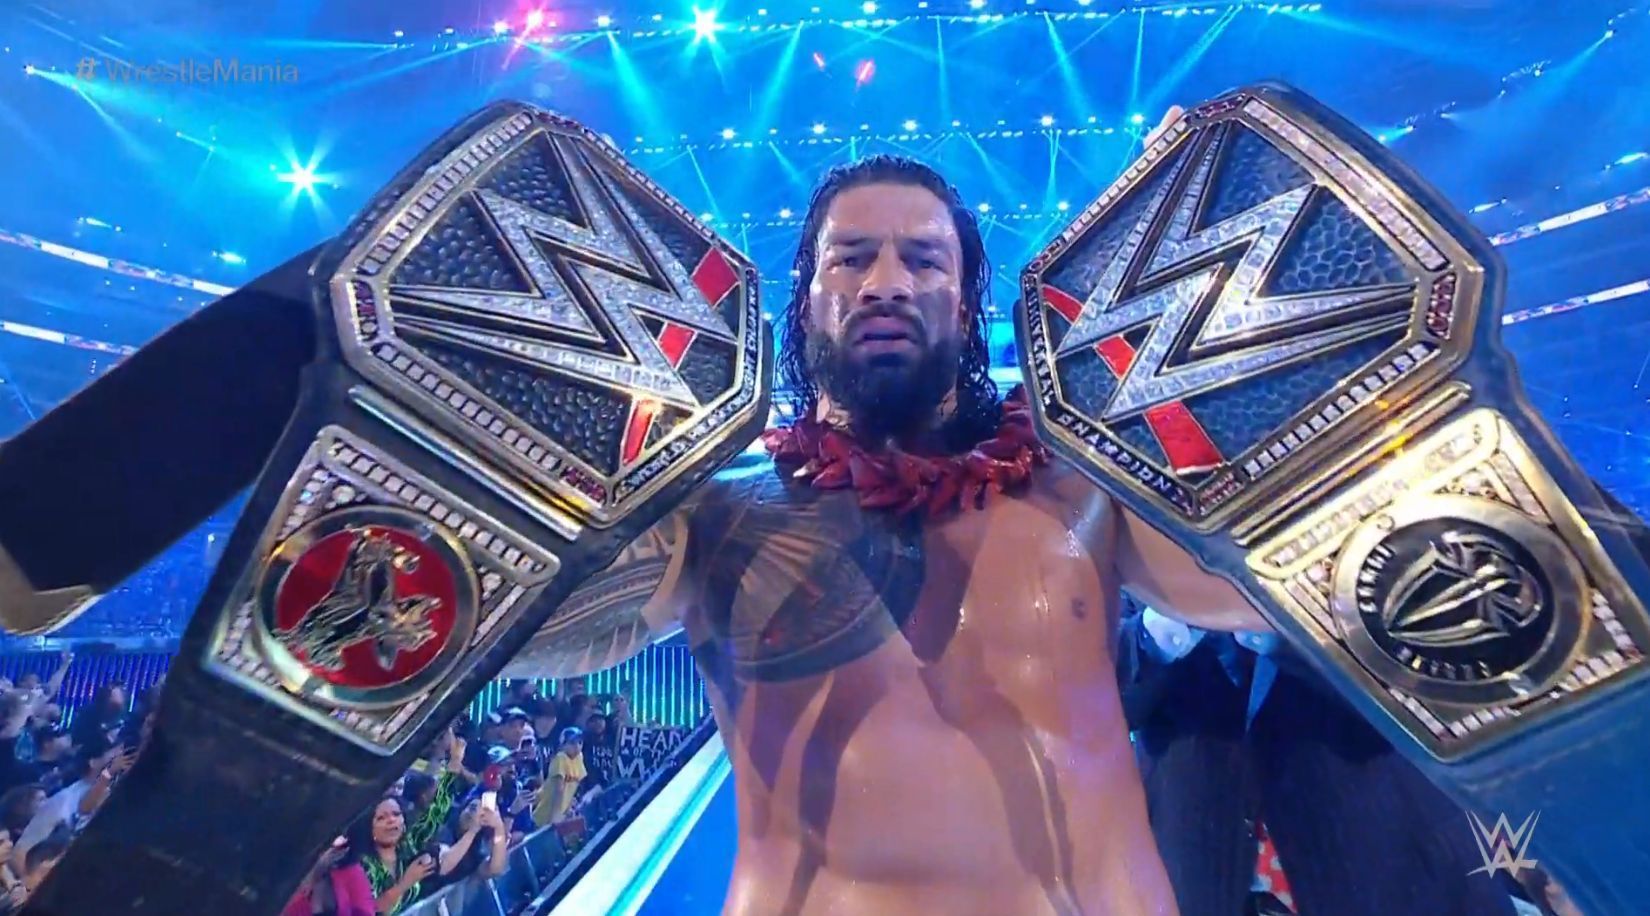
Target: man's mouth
{"type": "Point", "coordinates": [882, 334]}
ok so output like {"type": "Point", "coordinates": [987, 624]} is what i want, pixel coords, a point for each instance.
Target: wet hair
{"type": "Point", "coordinates": [977, 409]}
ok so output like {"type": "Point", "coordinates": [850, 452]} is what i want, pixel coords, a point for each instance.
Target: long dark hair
{"type": "Point", "coordinates": [977, 409]}
{"type": "Point", "coordinates": [359, 832]}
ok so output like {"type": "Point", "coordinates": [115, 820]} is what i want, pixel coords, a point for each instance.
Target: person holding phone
{"type": "Point", "coordinates": [478, 847]}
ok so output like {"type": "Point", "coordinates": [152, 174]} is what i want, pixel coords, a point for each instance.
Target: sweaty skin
{"type": "Point", "coordinates": [922, 714]}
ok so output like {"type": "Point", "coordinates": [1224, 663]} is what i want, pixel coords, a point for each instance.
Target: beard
{"type": "Point", "coordinates": [886, 396]}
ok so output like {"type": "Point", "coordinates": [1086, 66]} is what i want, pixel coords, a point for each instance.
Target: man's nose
{"type": "Point", "coordinates": [887, 281]}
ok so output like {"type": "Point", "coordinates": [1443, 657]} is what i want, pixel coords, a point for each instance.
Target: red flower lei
{"type": "Point", "coordinates": [831, 459]}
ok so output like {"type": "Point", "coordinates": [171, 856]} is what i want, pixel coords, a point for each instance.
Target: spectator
{"type": "Point", "coordinates": [12, 889]}
{"type": "Point", "coordinates": [517, 724]}
{"type": "Point", "coordinates": [18, 806]}
{"type": "Point", "coordinates": [520, 693]}
{"type": "Point", "coordinates": [395, 865]}
{"type": "Point", "coordinates": [100, 763]}
{"type": "Point", "coordinates": [619, 717]}
{"type": "Point", "coordinates": [566, 772]}
{"type": "Point", "coordinates": [492, 734]}
{"type": "Point", "coordinates": [48, 713]}
{"type": "Point", "coordinates": [29, 683]}
{"type": "Point", "coordinates": [545, 715]}
{"type": "Point", "coordinates": [518, 793]}
{"type": "Point", "coordinates": [1240, 741]}
{"type": "Point", "coordinates": [579, 709]}
{"type": "Point", "coordinates": [14, 718]}
{"type": "Point", "coordinates": [337, 885]}
{"type": "Point", "coordinates": [530, 763]}
{"type": "Point", "coordinates": [42, 858]}
{"type": "Point", "coordinates": [104, 713]}
{"type": "Point", "coordinates": [417, 794]}
{"type": "Point", "coordinates": [53, 756]}
{"type": "Point", "coordinates": [601, 752]}
{"type": "Point", "coordinates": [477, 848]}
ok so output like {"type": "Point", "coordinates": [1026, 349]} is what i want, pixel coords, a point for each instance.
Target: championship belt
{"type": "Point", "coordinates": [1279, 347]}
{"type": "Point", "coordinates": [519, 356]}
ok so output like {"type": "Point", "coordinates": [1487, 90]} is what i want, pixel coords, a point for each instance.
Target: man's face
{"type": "Point", "coordinates": [510, 735]}
{"type": "Point", "coordinates": [885, 306]}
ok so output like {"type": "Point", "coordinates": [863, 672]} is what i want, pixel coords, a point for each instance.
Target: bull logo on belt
{"type": "Point", "coordinates": [362, 606]}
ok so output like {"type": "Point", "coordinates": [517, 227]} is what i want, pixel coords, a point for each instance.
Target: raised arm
{"type": "Point", "coordinates": [636, 601]}
{"type": "Point", "coordinates": [1167, 578]}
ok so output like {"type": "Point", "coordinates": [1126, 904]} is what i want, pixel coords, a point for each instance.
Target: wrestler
{"type": "Point", "coordinates": [910, 668]}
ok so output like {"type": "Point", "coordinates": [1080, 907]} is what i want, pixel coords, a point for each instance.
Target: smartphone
{"type": "Point", "coordinates": [489, 800]}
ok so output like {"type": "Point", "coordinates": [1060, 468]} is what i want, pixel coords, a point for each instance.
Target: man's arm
{"type": "Point", "coordinates": [1162, 575]}
{"type": "Point", "coordinates": [50, 690]}
{"type": "Point", "coordinates": [615, 614]}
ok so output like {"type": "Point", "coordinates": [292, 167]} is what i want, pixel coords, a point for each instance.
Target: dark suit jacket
{"type": "Point", "coordinates": [1360, 831]}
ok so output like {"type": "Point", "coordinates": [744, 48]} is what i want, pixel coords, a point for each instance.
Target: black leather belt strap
{"type": "Point", "coordinates": [413, 520]}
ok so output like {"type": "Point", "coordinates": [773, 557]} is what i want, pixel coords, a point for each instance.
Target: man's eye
{"type": "Point", "coordinates": [853, 260]}
{"type": "Point", "coordinates": [927, 264]}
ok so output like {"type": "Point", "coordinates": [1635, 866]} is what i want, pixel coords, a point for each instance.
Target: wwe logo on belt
{"type": "Point", "coordinates": [1502, 847]}
{"type": "Point", "coordinates": [1196, 333]}
{"type": "Point", "coordinates": [362, 606]}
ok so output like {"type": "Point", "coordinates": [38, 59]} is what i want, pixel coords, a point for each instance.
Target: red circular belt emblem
{"type": "Point", "coordinates": [369, 601]}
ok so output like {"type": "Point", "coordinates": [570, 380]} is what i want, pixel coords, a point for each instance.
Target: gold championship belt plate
{"type": "Point", "coordinates": [1278, 346]}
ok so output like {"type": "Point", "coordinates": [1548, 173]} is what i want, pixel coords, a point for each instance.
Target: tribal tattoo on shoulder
{"type": "Point", "coordinates": [773, 580]}
{"type": "Point", "coordinates": [617, 612]}
{"type": "Point", "coordinates": [808, 582]}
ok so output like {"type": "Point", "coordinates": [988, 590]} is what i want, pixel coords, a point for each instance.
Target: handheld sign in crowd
{"type": "Point", "coordinates": [642, 750]}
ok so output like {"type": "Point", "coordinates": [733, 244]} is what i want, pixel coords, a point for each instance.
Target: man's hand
{"type": "Point", "coordinates": [489, 817]}
{"type": "Point", "coordinates": [525, 801]}
{"type": "Point", "coordinates": [123, 762]}
{"type": "Point", "coordinates": [1169, 117]}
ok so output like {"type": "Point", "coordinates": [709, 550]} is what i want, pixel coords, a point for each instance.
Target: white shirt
{"type": "Point", "coordinates": [1172, 639]}
{"type": "Point", "coordinates": [62, 808]}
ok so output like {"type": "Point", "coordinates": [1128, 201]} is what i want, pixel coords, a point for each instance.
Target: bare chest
{"type": "Point", "coordinates": [1012, 601]}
